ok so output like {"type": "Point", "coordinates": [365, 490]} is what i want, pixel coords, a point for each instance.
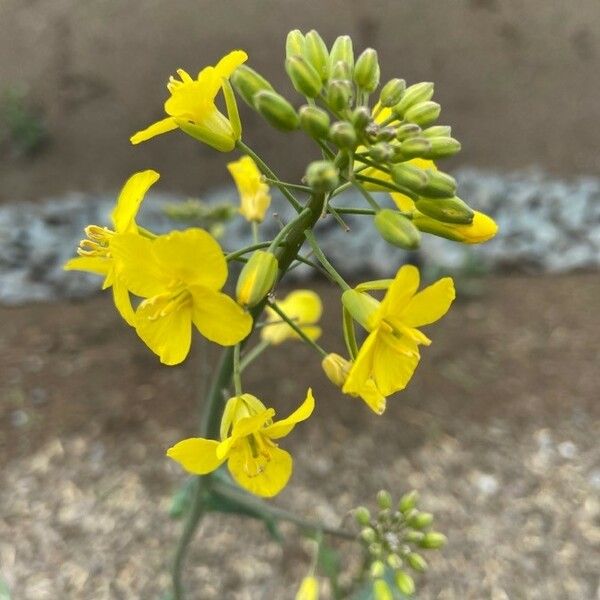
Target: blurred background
{"type": "Point", "coordinates": [499, 427]}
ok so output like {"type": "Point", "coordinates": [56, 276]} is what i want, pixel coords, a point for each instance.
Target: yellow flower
{"type": "Point", "coordinates": [304, 308]}
{"type": "Point", "coordinates": [390, 353]}
{"type": "Point", "coordinates": [95, 254]}
{"type": "Point", "coordinates": [180, 275]}
{"type": "Point", "coordinates": [247, 444]}
{"type": "Point", "coordinates": [192, 108]}
{"type": "Point", "coordinates": [337, 369]}
{"type": "Point", "coordinates": [309, 589]}
{"type": "Point", "coordinates": [254, 192]}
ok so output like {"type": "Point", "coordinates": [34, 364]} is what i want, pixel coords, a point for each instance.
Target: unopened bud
{"type": "Point", "coordinates": [315, 52]}
{"type": "Point", "coordinates": [481, 229]}
{"type": "Point", "coordinates": [391, 92]}
{"type": "Point", "coordinates": [342, 134]}
{"type": "Point", "coordinates": [418, 92]}
{"type": "Point", "coordinates": [337, 368]}
{"type": "Point", "coordinates": [368, 535]}
{"type": "Point", "coordinates": [294, 43]}
{"type": "Point", "coordinates": [438, 131]}
{"type": "Point", "coordinates": [256, 279]}
{"type": "Point", "coordinates": [381, 152]}
{"type": "Point", "coordinates": [417, 562]}
{"type": "Point", "coordinates": [361, 117]}
{"type": "Point", "coordinates": [420, 520]}
{"type": "Point", "coordinates": [342, 51]}
{"type": "Point", "coordinates": [361, 514]}
{"type": "Point", "coordinates": [322, 176]}
{"type": "Point", "coordinates": [340, 70]}
{"type": "Point", "coordinates": [423, 113]}
{"type": "Point", "coordinates": [405, 583]}
{"type": "Point", "coordinates": [276, 110]}
{"type": "Point", "coordinates": [315, 121]}
{"type": "Point", "coordinates": [394, 561]}
{"type": "Point", "coordinates": [439, 185]}
{"type": "Point", "coordinates": [409, 176]}
{"type": "Point", "coordinates": [415, 146]}
{"type": "Point", "coordinates": [396, 229]}
{"type": "Point", "coordinates": [361, 306]}
{"type": "Point", "coordinates": [407, 130]}
{"type": "Point", "coordinates": [247, 83]}
{"type": "Point", "coordinates": [447, 210]}
{"type": "Point", "coordinates": [339, 94]}
{"type": "Point", "coordinates": [408, 501]}
{"type": "Point", "coordinates": [385, 134]}
{"type": "Point", "coordinates": [433, 540]}
{"type": "Point", "coordinates": [366, 70]}
{"type": "Point", "coordinates": [441, 147]}
{"type": "Point", "coordinates": [377, 569]}
{"type": "Point", "coordinates": [304, 77]}
{"type": "Point", "coordinates": [413, 537]}
{"type": "Point", "coordinates": [384, 499]}
{"type": "Point", "coordinates": [381, 590]}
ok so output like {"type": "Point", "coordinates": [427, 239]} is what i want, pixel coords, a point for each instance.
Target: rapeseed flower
{"type": "Point", "coordinates": [248, 435]}
{"type": "Point", "coordinates": [191, 106]}
{"type": "Point", "coordinates": [180, 275]}
{"type": "Point", "coordinates": [254, 192]}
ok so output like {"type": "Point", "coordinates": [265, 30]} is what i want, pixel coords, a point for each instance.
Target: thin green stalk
{"type": "Point", "coordinates": [349, 334]}
{"type": "Point", "coordinates": [290, 186]}
{"type": "Point", "coordinates": [255, 232]}
{"type": "Point", "coordinates": [246, 250]}
{"type": "Point", "coordinates": [366, 195]}
{"type": "Point", "coordinates": [253, 354]}
{"type": "Point", "coordinates": [237, 372]}
{"type": "Point", "coordinates": [350, 210]}
{"type": "Point", "coordinates": [323, 260]}
{"type": "Point", "coordinates": [286, 228]}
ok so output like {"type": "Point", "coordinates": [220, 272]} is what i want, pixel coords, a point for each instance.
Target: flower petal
{"type": "Point", "coordinates": [243, 428]}
{"type": "Point", "coordinates": [304, 306]}
{"type": "Point", "coordinates": [130, 198]}
{"type": "Point", "coordinates": [374, 399]}
{"type": "Point", "coordinates": [155, 129]}
{"type": "Point", "coordinates": [282, 428]}
{"type": "Point", "coordinates": [196, 455]}
{"type": "Point", "coordinates": [404, 203]}
{"type": "Point", "coordinates": [122, 301]}
{"type": "Point", "coordinates": [392, 370]}
{"type": "Point", "coordinates": [430, 304]}
{"type": "Point", "coordinates": [230, 62]}
{"type": "Point", "coordinates": [362, 367]}
{"type": "Point", "coordinates": [401, 290]}
{"type": "Point", "coordinates": [92, 264]}
{"type": "Point", "coordinates": [219, 318]}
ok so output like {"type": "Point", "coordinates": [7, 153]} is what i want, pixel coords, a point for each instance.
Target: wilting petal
{"type": "Point", "coordinates": [155, 129]}
{"type": "Point", "coordinates": [130, 198]}
{"type": "Point", "coordinates": [430, 304]}
{"type": "Point", "coordinates": [281, 428]}
{"type": "Point", "coordinates": [196, 455]}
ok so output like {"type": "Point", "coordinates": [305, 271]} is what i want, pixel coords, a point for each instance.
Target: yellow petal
{"type": "Point", "coordinates": [282, 428]}
{"type": "Point", "coordinates": [155, 129]}
{"type": "Point", "coordinates": [243, 428]}
{"type": "Point", "coordinates": [362, 367]}
{"type": "Point", "coordinates": [192, 256]}
{"type": "Point", "coordinates": [122, 301]}
{"type": "Point", "coordinates": [230, 62]}
{"type": "Point", "coordinates": [270, 481]}
{"type": "Point", "coordinates": [309, 589]}
{"type": "Point", "coordinates": [392, 370]}
{"type": "Point", "coordinates": [92, 264]}
{"type": "Point", "coordinates": [404, 203]}
{"type": "Point", "coordinates": [374, 399]}
{"type": "Point", "coordinates": [167, 332]}
{"type": "Point", "coordinates": [130, 198]}
{"type": "Point", "coordinates": [304, 306]}
{"type": "Point", "coordinates": [219, 318]}
{"type": "Point", "coordinates": [401, 290]}
{"type": "Point", "coordinates": [430, 304]}
{"type": "Point", "coordinates": [196, 455]}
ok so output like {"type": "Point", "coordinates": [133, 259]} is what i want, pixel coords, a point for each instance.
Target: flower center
{"type": "Point", "coordinates": [167, 304]}
{"type": "Point", "coordinates": [96, 243]}
{"type": "Point", "coordinates": [257, 454]}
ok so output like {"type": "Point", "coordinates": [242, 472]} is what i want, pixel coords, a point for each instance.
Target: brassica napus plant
{"type": "Point", "coordinates": [166, 286]}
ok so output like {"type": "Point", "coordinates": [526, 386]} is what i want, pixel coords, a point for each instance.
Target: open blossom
{"type": "Point", "coordinates": [191, 106]}
{"type": "Point", "coordinates": [180, 275]}
{"type": "Point", "coordinates": [390, 353]}
{"type": "Point", "coordinates": [95, 252]}
{"type": "Point", "coordinates": [304, 308]}
{"type": "Point", "coordinates": [254, 192]}
{"type": "Point", "coordinates": [248, 435]}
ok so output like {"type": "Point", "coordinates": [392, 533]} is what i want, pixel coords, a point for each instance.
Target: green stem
{"type": "Point", "coordinates": [255, 232]}
{"type": "Point", "coordinates": [237, 378]}
{"type": "Point", "coordinates": [286, 228]}
{"type": "Point", "coordinates": [323, 260]}
{"type": "Point", "coordinates": [350, 334]}
{"type": "Point", "coordinates": [290, 186]}
{"type": "Point", "coordinates": [366, 195]}
{"type": "Point", "coordinates": [349, 210]}
{"type": "Point", "coordinates": [253, 353]}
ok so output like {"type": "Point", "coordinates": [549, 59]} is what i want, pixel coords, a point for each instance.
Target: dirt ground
{"type": "Point", "coordinates": [498, 431]}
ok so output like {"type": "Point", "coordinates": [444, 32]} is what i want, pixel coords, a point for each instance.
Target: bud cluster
{"type": "Point", "coordinates": [392, 537]}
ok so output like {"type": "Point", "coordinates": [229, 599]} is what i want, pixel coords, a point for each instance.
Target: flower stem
{"type": "Point", "coordinates": [253, 354]}
{"type": "Point", "coordinates": [323, 260]}
{"type": "Point", "coordinates": [237, 379]}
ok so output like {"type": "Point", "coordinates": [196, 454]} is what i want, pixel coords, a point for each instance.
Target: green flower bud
{"type": "Point", "coordinates": [341, 71]}
{"type": "Point", "coordinates": [418, 92]}
{"type": "Point", "coordinates": [447, 210]}
{"type": "Point", "coordinates": [408, 130]}
{"type": "Point", "coordinates": [339, 94]}
{"type": "Point", "coordinates": [397, 230]}
{"type": "Point", "coordinates": [304, 78]}
{"type": "Point", "coordinates": [377, 569]}
{"type": "Point", "coordinates": [420, 520]}
{"type": "Point", "coordinates": [386, 134]}
{"type": "Point", "coordinates": [417, 562]}
{"type": "Point", "coordinates": [276, 110]}
{"type": "Point", "coordinates": [247, 83]}
{"type": "Point", "coordinates": [423, 113]}
{"type": "Point", "coordinates": [405, 583]}
{"type": "Point", "coordinates": [362, 307]}
{"type": "Point", "coordinates": [360, 118]}
{"type": "Point", "coordinates": [415, 146]}
{"type": "Point", "coordinates": [294, 43]}
{"type": "Point", "coordinates": [392, 92]}
{"type": "Point", "coordinates": [342, 134]}
{"type": "Point", "coordinates": [408, 501]}
{"type": "Point", "coordinates": [381, 152]}
{"type": "Point", "coordinates": [322, 176]}
{"type": "Point", "coordinates": [314, 121]}
{"type": "Point", "coordinates": [433, 540]}
{"type": "Point", "coordinates": [381, 590]}
{"type": "Point", "coordinates": [256, 279]}
{"type": "Point", "coordinates": [342, 51]}
{"type": "Point", "coordinates": [409, 176]}
{"type": "Point", "coordinates": [441, 147]}
{"type": "Point", "coordinates": [366, 70]}
{"type": "Point", "coordinates": [375, 549]}
{"type": "Point", "coordinates": [394, 561]}
{"type": "Point", "coordinates": [368, 535]}
{"type": "Point", "coordinates": [384, 499]}
{"type": "Point", "coordinates": [362, 515]}
{"type": "Point", "coordinates": [315, 52]}
{"type": "Point", "coordinates": [438, 131]}
{"type": "Point", "coordinates": [413, 537]}
{"type": "Point", "coordinates": [439, 185]}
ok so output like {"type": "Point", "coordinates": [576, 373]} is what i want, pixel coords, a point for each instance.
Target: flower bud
{"type": "Point", "coordinates": [342, 134]}
{"type": "Point", "coordinates": [438, 131]}
{"type": "Point", "coordinates": [342, 51]}
{"type": "Point", "coordinates": [322, 176]}
{"type": "Point", "coordinates": [256, 279]}
{"type": "Point", "coordinates": [337, 368]}
{"type": "Point", "coordinates": [385, 134]}
{"type": "Point", "coordinates": [377, 569]}
{"type": "Point", "coordinates": [441, 147]}
{"type": "Point", "coordinates": [360, 118]}
{"type": "Point", "coordinates": [375, 549]}
{"type": "Point", "coordinates": [341, 71]}
{"type": "Point", "coordinates": [408, 501]}
{"type": "Point", "coordinates": [309, 589]}
{"type": "Point", "coordinates": [294, 43]}
{"type": "Point", "coordinates": [381, 590]}
{"type": "Point", "coordinates": [394, 561]}
{"type": "Point", "coordinates": [420, 520]}
{"type": "Point", "coordinates": [423, 113]}
{"type": "Point", "coordinates": [409, 176]}
{"type": "Point", "coordinates": [408, 130]}
{"type": "Point", "coordinates": [366, 70]}
{"type": "Point", "coordinates": [384, 499]}
{"type": "Point", "coordinates": [417, 562]}
{"type": "Point", "coordinates": [247, 83]}
{"type": "Point", "coordinates": [481, 229]}
{"type": "Point", "coordinates": [315, 52]}
{"type": "Point", "coordinates": [392, 92]}
{"type": "Point", "coordinates": [314, 121]}
{"type": "Point", "coordinates": [362, 515]}
{"type": "Point", "coordinates": [304, 78]}
{"type": "Point", "coordinates": [361, 306]}
{"type": "Point", "coordinates": [413, 537]}
{"type": "Point", "coordinates": [415, 146]}
{"type": "Point", "coordinates": [414, 94]}
{"type": "Point", "coordinates": [439, 185]}
{"type": "Point", "coordinates": [447, 210]}
{"type": "Point", "coordinates": [405, 583]}
{"type": "Point", "coordinates": [433, 540]}
{"type": "Point", "coordinates": [276, 110]}
{"type": "Point", "coordinates": [339, 94]}
{"type": "Point", "coordinates": [381, 152]}
{"type": "Point", "coordinates": [396, 229]}
{"type": "Point", "coordinates": [368, 535]}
